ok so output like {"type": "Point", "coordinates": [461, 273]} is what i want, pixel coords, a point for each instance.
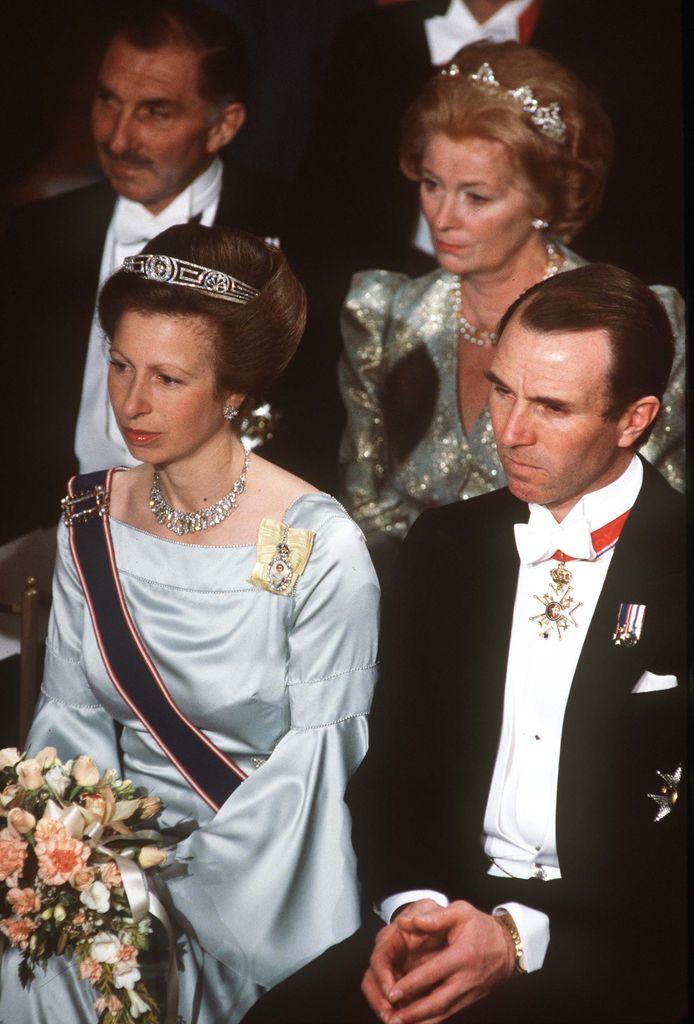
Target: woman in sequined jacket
{"type": "Point", "coordinates": [511, 153]}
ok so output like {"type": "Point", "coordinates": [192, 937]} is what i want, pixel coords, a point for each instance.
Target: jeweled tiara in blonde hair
{"type": "Point", "coordinates": [171, 270]}
{"type": "Point", "coordinates": [547, 120]}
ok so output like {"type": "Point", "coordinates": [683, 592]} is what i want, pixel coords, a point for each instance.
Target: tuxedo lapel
{"type": "Point", "coordinates": [254, 202]}
{"type": "Point", "coordinates": [592, 773]}
{"type": "Point", "coordinates": [485, 560]}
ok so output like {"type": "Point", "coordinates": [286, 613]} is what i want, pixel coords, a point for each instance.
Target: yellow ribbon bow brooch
{"type": "Point", "coordinates": [281, 556]}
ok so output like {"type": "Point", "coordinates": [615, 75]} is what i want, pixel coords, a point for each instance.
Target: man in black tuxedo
{"type": "Point", "coordinates": [170, 97]}
{"type": "Point", "coordinates": [529, 728]}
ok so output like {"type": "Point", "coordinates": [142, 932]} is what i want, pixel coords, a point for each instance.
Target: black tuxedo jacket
{"type": "Point", "coordinates": [617, 916]}
{"type": "Point", "coordinates": [49, 279]}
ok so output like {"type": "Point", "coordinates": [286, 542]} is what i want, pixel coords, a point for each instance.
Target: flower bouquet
{"type": "Point", "coordinates": [71, 854]}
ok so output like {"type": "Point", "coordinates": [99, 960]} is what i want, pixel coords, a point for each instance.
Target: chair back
{"type": "Point", "coordinates": [27, 608]}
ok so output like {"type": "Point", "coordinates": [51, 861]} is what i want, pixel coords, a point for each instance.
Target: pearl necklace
{"type": "Point", "coordinates": [182, 523]}
{"type": "Point", "coordinates": [474, 335]}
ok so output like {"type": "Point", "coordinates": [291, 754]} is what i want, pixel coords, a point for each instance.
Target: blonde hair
{"type": "Point", "coordinates": [568, 177]}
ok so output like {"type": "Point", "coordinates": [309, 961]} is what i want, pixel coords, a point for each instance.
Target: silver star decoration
{"type": "Point", "coordinates": [557, 610]}
{"type": "Point", "coordinates": [667, 798]}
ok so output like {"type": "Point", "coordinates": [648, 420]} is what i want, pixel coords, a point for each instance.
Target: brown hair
{"type": "Point", "coordinates": [568, 177]}
{"type": "Point", "coordinates": [224, 70]}
{"type": "Point", "coordinates": [253, 342]}
{"type": "Point", "coordinates": [602, 297]}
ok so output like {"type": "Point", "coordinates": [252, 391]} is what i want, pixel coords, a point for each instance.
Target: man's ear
{"type": "Point", "coordinates": [636, 418]}
{"type": "Point", "coordinates": [226, 125]}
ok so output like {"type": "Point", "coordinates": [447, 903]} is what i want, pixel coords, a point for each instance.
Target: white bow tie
{"type": "Point", "coordinates": [538, 543]}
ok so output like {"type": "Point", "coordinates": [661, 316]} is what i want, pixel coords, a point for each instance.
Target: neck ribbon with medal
{"type": "Point", "coordinates": [558, 603]}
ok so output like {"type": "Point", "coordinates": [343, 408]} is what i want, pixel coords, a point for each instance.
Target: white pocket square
{"type": "Point", "coordinates": [650, 682]}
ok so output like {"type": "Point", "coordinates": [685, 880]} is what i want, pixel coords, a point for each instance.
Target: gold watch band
{"type": "Point", "coordinates": [505, 919]}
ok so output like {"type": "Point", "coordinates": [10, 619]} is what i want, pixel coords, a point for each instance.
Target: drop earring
{"type": "Point", "coordinates": [539, 224]}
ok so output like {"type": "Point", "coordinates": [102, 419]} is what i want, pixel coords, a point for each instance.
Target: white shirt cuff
{"type": "Point", "coordinates": [533, 928]}
{"type": "Point", "coordinates": [390, 904]}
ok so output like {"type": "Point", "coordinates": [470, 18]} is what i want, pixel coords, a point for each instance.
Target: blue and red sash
{"type": "Point", "coordinates": [212, 774]}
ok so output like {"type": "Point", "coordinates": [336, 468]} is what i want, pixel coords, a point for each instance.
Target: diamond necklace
{"type": "Point", "coordinates": [182, 523]}
{"type": "Point", "coordinates": [485, 339]}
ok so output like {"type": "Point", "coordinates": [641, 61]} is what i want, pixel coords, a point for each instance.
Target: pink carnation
{"type": "Point", "coordinates": [60, 857]}
{"type": "Point", "coordinates": [23, 901]}
{"type": "Point", "coordinates": [112, 1004]}
{"type": "Point", "coordinates": [18, 930]}
{"type": "Point", "coordinates": [13, 853]}
{"type": "Point", "coordinates": [48, 827]}
{"type": "Point", "coordinates": [110, 875]}
{"type": "Point", "coordinates": [127, 954]}
{"type": "Point", "coordinates": [91, 970]}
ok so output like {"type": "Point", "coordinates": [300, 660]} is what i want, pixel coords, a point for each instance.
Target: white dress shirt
{"type": "Point", "coordinates": [445, 34]}
{"type": "Point", "coordinates": [520, 819]}
{"type": "Point", "coordinates": [98, 441]}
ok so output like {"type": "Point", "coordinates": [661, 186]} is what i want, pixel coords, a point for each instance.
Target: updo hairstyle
{"type": "Point", "coordinates": [252, 342]}
{"type": "Point", "coordinates": [567, 177]}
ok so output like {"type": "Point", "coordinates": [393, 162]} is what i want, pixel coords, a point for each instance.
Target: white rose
{"type": "Point", "coordinates": [151, 856]}
{"type": "Point", "coordinates": [58, 778]}
{"type": "Point", "coordinates": [29, 774]}
{"type": "Point", "coordinates": [126, 976]}
{"type": "Point", "coordinates": [137, 1004]}
{"type": "Point", "coordinates": [9, 757]}
{"type": "Point", "coordinates": [21, 821]}
{"type": "Point", "coordinates": [96, 897]}
{"type": "Point", "coordinates": [47, 756]}
{"type": "Point", "coordinates": [104, 948]}
{"type": "Point", "coordinates": [84, 771]}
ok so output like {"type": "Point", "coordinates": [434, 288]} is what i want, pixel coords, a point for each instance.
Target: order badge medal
{"type": "Point", "coordinates": [279, 571]}
{"type": "Point", "coordinates": [667, 797]}
{"type": "Point", "coordinates": [282, 553]}
{"type": "Point", "coordinates": [558, 605]}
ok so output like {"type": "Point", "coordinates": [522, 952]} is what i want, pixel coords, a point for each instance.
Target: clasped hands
{"type": "Point", "coordinates": [432, 961]}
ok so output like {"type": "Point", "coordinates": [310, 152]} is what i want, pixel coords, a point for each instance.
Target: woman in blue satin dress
{"type": "Point", "coordinates": [256, 600]}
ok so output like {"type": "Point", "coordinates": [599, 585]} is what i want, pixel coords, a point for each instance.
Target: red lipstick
{"type": "Point", "coordinates": [139, 437]}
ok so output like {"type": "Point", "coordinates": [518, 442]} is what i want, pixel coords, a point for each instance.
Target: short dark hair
{"type": "Point", "coordinates": [602, 297]}
{"type": "Point", "coordinates": [253, 342]}
{"type": "Point", "coordinates": [151, 24]}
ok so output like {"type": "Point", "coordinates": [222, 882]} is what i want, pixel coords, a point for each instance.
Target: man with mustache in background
{"type": "Point", "coordinates": [170, 95]}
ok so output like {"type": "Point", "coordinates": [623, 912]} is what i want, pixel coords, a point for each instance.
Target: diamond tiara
{"type": "Point", "coordinates": [170, 270]}
{"type": "Point", "coordinates": [547, 119]}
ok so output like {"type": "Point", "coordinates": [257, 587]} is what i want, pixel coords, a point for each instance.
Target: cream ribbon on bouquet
{"type": "Point", "coordinates": [140, 897]}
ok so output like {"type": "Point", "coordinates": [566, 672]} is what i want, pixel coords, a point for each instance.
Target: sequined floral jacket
{"type": "Point", "coordinates": [404, 448]}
